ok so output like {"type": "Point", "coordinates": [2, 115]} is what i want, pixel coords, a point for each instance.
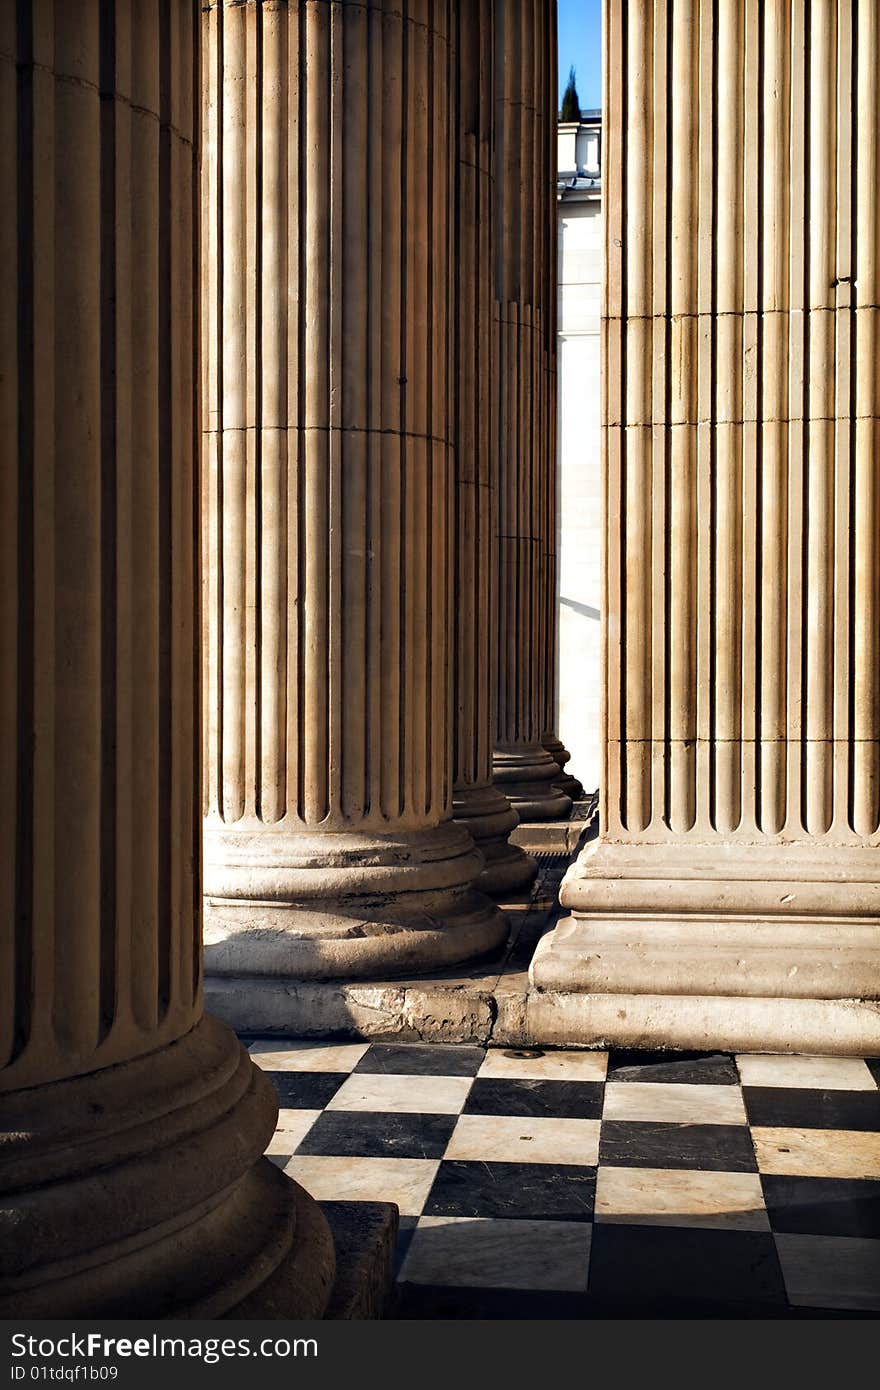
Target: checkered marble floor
{"type": "Point", "coordinates": [585, 1184]}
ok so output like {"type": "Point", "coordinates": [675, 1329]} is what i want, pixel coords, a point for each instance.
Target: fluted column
{"type": "Point", "coordinates": [131, 1176]}
{"type": "Point", "coordinates": [741, 789]}
{"type": "Point", "coordinates": [328, 417]}
{"type": "Point", "coordinates": [549, 669]}
{"type": "Point", "coordinates": [477, 803]}
{"type": "Point", "coordinates": [524, 770]}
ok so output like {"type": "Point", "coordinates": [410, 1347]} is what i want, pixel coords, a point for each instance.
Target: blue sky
{"type": "Point", "coordinates": [580, 45]}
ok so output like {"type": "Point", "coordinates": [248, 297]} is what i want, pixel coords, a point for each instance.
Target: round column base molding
{"type": "Point", "coordinates": [335, 905]}
{"type": "Point", "coordinates": [140, 1190]}
{"type": "Point", "coordinates": [526, 775]}
{"type": "Point", "coordinates": [560, 755]}
{"type": "Point", "coordinates": [488, 816]}
{"type": "Point", "coordinates": [570, 786]}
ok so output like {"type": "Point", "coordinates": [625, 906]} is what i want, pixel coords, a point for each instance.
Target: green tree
{"type": "Point", "coordinates": [571, 106]}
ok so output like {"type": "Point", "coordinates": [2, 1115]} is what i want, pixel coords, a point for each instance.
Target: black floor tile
{"type": "Point", "coordinates": [805, 1108]}
{"type": "Point", "coordinates": [873, 1064]}
{"type": "Point", "coordinates": [528, 1191]}
{"type": "Point", "coordinates": [639, 1264]}
{"type": "Point", "coordinates": [370, 1134]}
{"type": "Point", "coordinates": [694, 1068]}
{"type": "Point", "coordinates": [438, 1301]}
{"type": "Point", "coordinates": [421, 1059]}
{"type": "Point", "coordinates": [640, 1144]}
{"type": "Point", "coordinates": [305, 1090]}
{"type": "Point", "coordinates": [823, 1206]}
{"type": "Point", "coordinates": [569, 1100]}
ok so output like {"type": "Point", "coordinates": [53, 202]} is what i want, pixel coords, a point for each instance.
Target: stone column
{"type": "Point", "coordinates": [732, 897]}
{"type": "Point", "coordinates": [133, 1127]}
{"type": "Point", "coordinates": [550, 739]}
{"type": "Point", "coordinates": [477, 803]}
{"type": "Point", "coordinates": [524, 770]}
{"type": "Point", "coordinates": [329, 844]}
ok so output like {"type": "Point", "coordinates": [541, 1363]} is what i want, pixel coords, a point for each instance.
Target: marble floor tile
{"type": "Point", "coordinates": [420, 1059]}
{"type": "Point", "coordinates": [461, 1304]}
{"type": "Point", "coordinates": [516, 1064]}
{"type": "Point", "coordinates": [292, 1128]}
{"type": "Point", "coordinates": [830, 1271]}
{"type": "Point", "coordinates": [810, 1108]}
{"type": "Point", "coordinates": [672, 1103]}
{"type": "Point", "coordinates": [508, 1139]}
{"type": "Point", "coordinates": [527, 1191]}
{"type": "Point", "coordinates": [405, 1181]}
{"type": "Point", "coordinates": [825, 1073]}
{"type": "Point", "coordinates": [823, 1206]}
{"type": "Point", "coordinates": [817, 1153]}
{"type": "Point", "coordinates": [305, 1090]}
{"type": "Point", "coordinates": [499, 1254]}
{"type": "Point", "coordinates": [682, 1068]}
{"type": "Point", "coordinates": [641, 1264]}
{"type": "Point", "coordinates": [412, 1094]}
{"type": "Point", "coordinates": [274, 1054]}
{"type": "Point", "coordinates": [356, 1134]}
{"type": "Point", "coordinates": [682, 1197]}
{"type": "Point", "coordinates": [644, 1144]}
{"type": "Point", "coordinates": [572, 1100]}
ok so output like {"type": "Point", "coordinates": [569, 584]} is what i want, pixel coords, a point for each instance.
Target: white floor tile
{"type": "Point", "coordinates": [508, 1139]}
{"type": "Point", "coordinates": [293, 1126]}
{"type": "Point", "coordinates": [430, 1095]}
{"type": "Point", "coordinates": [671, 1103]}
{"type": "Point", "coordinates": [406, 1181]}
{"type": "Point", "coordinates": [818, 1153]}
{"type": "Point", "coordinates": [553, 1066]}
{"type": "Point", "coordinates": [683, 1197]}
{"type": "Point", "coordinates": [821, 1073]}
{"type": "Point", "coordinates": [276, 1055]}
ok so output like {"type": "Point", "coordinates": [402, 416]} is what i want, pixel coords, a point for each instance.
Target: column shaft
{"type": "Point", "coordinates": [740, 814]}
{"type": "Point", "coordinates": [131, 1176]}
{"type": "Point", "coordinates": [524, 770]}
{"type": "Point", "coordinates": [328, 418]}
{"type": "Point", "coordinates": [477, 803]}
{"type": "Point", "coordinates": [549, 671]}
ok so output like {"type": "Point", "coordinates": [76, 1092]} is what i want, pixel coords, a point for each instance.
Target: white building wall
{"type": "Point", "coordinates": [580, 281]}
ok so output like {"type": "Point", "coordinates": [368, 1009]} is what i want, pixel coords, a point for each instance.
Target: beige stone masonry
{"type": "Point", "coordinates": [132, 1182]}
{"type": "Point", "coordinates": [328, 412]}
{"type": "Point", "coordinates": [524, 278]}
{"type": "Point", "coordinates": [741, 793]}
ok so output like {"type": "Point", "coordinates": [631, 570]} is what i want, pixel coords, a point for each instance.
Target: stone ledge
{"type": "Point", "coordinates": [365, 1236]}
{"type": "Point", "coordinates": [511, 1013]}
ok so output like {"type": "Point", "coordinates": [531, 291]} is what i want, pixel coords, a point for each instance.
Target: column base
{"type": "Point", "coordinates": [526, 776]}
{"type": "Point", "coordinates": [332, 905]}
{"type": "Point", "coordinates": [489, 818]}
{"type": "Point", "coordinates": [140, 1190]}
{"type": "Point", "coordinates": [560, 755]}
{"type": "Point", "coordinates": [750, 921]}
